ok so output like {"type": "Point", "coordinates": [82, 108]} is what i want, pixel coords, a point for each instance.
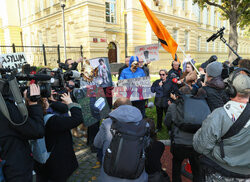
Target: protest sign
{"type": "Point", "coordinates": [93, 103]}
{"type": "Point", "coordinates": [103, 77]}
{"type": "Point", "coordinates": [148, 52]}
{"type": "Point", "coordinates": [13, 60]}
{"type": "Point", "coordinates": [134, 89]}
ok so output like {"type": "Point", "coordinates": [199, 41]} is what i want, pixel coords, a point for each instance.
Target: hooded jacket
{"type": "Point", "coordinates": [214, 93]}
{"type": "Point", "coordinates": [236, 148]}
{"type": "Point", "coordinates": [127, 73]}
{"type": "Point", "coordinates": [124, 113]}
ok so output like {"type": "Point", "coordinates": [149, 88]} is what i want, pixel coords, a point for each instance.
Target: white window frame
{"type": "Point", "coordinates": [186, 40]}
{"type": "Point", "coordinates": [175, 35]}
{"type": "Point", "coordinates": [110, 15]}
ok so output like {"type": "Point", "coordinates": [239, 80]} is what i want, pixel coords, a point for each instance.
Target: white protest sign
{"type": "Point", "coordinates": [148, 52]}
{"type": "Point", "coordinates": [134, 89]}
{"type": "Point", "coordinates": [13, 60]}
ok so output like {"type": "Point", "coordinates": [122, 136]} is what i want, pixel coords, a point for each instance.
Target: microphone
{"type": "Point", "coordinates": [174, 80]}
{"type": "Point", "coordinates": [215, 35]}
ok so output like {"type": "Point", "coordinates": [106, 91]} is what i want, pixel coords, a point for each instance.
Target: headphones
{"type": "Point", "coordinates": [230, 89]}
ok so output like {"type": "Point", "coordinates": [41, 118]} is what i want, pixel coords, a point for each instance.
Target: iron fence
{"type": "Point", "coordinates": [43, 55]}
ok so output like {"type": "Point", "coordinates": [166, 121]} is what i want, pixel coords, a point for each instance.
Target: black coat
{"type": "Point", "coordinates": [62, 161]}
{"type": "Point", "coordinates": [14, 142]}
{"type": "Point", "coordinates": [163, 93]}
{"type": "Point", "coordinates": [175, 73]}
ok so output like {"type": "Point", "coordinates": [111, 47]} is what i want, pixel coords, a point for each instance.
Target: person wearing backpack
{"type": "Point", "coordinates": [62, 161]}
{"type": "Point", "coordinates": [122, 118]}
{"type": "Point", "coordinates": [14, 135]}
{"type": "Point", "coordinates": [224, 137]}
{"type": "Point", "coordinates": [181, 137]}
{"type": "Point", "coordinates": [213, 89]}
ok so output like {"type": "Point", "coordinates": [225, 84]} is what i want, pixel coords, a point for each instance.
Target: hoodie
{"type": "Point", "coordinates": [124, 113]}
{"type": "Point", "coordinates": [127, 73]}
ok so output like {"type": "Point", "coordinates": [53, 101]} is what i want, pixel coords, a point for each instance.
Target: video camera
{"type": "Point", "coordinates": [28, 74]}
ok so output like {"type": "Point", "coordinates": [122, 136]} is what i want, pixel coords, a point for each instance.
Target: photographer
{"type": "Point", "coordinates": [72, 65]}
{"type": "Point", "coordinates": [14, 136]}
{"type": "Point", "coordinates": [62, 160]}
{"type": "Point", "coordinates": [213, 88]}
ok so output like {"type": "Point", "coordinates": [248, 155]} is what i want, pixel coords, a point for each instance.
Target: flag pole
{"type": "Point", "coordinates": [189, 61]}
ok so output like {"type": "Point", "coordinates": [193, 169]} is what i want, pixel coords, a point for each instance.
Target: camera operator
{"type": "Point", "coordinates": [14, 136]}
{"type": "Point", "coordinates": [62, 160]}
{"type": "Point", "coordinates": [72, 64]}
{"type": "Point", "coordinates": [213, 88]}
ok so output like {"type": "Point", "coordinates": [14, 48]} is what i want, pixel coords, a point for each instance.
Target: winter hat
{"type": "Point", "coordinates": [214, 69]}
{"type": "Point", "coordinates": [242, 83]}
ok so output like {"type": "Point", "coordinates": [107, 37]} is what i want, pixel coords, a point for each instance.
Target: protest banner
{"type": "Point", "coordinates": [134, 89]}
{"type": "Point", "coordinates": [13, 60]}
{"type": "Point", "coordinates": [93, 104]}
{"type": "Point", "coordinates": [148, 52]}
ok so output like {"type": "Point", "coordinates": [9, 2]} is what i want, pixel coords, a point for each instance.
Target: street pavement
{"type": "Point", "coordinates": [87, 171]}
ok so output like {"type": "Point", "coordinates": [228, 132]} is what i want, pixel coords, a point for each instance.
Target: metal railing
{"type": "Point", "coordinates": [43, 55]}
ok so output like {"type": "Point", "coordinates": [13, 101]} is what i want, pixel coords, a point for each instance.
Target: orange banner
{"type": "Point", "coordinates": [167, 41]}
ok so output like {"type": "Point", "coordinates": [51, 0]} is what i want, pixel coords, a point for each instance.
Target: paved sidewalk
{"type": "Point", "coordinates": [86, 160]}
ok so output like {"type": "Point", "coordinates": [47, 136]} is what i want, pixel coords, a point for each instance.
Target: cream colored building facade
{"type": "Point", "coordinates": [115, 27]}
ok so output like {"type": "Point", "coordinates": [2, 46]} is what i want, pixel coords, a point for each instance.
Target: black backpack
{"type": "Point", "coordinates": [190, 113]}
{"type": "Point", "coordinates": [125, 156]}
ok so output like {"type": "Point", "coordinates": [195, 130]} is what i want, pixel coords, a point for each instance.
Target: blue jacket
{"type": "Point", "coordinates": [127, 73]}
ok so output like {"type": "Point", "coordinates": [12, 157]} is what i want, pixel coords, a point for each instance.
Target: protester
{"type": "Point", "coordinates": [153, 157]}
{"type": "Point", "coordinates": [189, 77]}
{"type": "Point", "coordinates": [244, 63]}
{"type": "Point", "coordinates": [176, 71]}
{"type": "Point", "coordinates": [213, 89]}
{"type": "Point", "coordinates": [227, 159]}
{"type": "Point", "coordinates": [133, 71]}
{"type": "Point", "coordinates": [162, 87]}
{"type": "Point", "coordinates": [181, 141]}
{"type": "Point", "coordinates": [123, 67]}
{"type": "Point", "coordinates": [124, 113]}
{"type": "Point", "coordinates": [62, 161]}
{"type": "Point", "coordinates": [15, 148]}
{"type": "Point", "coordinates": [144, 66]}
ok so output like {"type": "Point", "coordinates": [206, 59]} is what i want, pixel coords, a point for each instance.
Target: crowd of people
{"type": "Point", "coordinates": [206, 116]}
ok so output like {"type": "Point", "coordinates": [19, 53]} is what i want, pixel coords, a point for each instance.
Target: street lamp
{"type": "Point", "coordinates": [63, 4]}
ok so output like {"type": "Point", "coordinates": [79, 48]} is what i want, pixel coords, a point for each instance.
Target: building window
{"type": "Point", "coordinates": [186, 40]}
{"type": "Point", "coordinates": [170, 2]}
{"type": "Point", "coordinates": [111, 11]}
{"type": "Point", "coordinates": [199, 44]}
{"type": "Point", "coordinates": [41, 5]}
{"type": "Point", "coordinates": [213, 46]}
{"type": "Point", "coordinates": [183, 4]}
{"type": "Point", "coordinates": [51, 2]}
{"type": "Point", "coordinates": [205, 16]}
{"type": "Point", "coordinates": [175, 35]}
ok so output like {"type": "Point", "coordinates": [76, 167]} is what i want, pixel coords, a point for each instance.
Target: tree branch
{"type": "Point", "coordinates": [219, 6]}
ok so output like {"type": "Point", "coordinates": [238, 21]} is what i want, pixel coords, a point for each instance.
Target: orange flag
{"type": "Point", "coordinates": [167, 41]}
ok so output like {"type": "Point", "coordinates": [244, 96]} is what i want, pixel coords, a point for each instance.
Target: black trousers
{"type": "Point", "coordinates": [92, 131]}
{"type": "Point", "coordinates": [40, 178]}
{"type": "Point", "coordinates": [181, 152]}
{"type": "Point", "coordinates": [159, 111]}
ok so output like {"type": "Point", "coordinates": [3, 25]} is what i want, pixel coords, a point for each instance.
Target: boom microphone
{"type": "Point", "coordinates": [216, 35]}
{"type": "Point", "coordinates": [38, 77]}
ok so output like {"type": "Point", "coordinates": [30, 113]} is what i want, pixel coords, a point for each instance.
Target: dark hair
{"type": "Point", "coordinates": [66, 61]}
{"type": "Point", "coordinates": [185, 90]}
{"type": "Point", "coordinates": [151, 123]}
{"type": "Point", "coordinates": [101, 60]}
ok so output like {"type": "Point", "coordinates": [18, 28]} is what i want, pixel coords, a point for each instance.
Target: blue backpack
{"type": "Point", "coordinates": [38, 147]}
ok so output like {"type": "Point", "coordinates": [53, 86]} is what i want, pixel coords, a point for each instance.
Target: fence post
{"type": "Point", "coordinates": [44, 56]}
{"type": "Point", "coordinates": [58, 54]}
{"type": "Point", "coordinates": [13, 48]}
{"type": "Point", "coordinates": [81, 48]}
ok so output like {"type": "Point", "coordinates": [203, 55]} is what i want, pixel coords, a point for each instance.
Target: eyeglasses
{"type": "Point", "coordinates": [162, 74]}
